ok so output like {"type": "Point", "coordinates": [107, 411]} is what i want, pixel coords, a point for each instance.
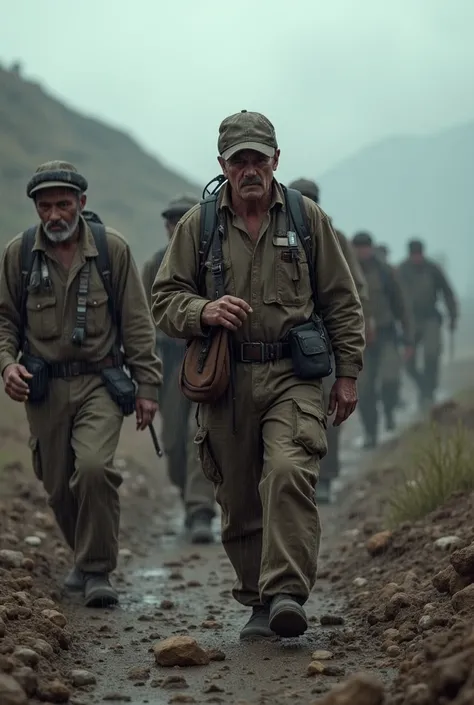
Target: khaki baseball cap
{"type": "Point", "coordinates": [179, 205]}
{"type": "Point", "coordinates": [56, 173]}
{"type": "Point", "coordinates": [246, 130]}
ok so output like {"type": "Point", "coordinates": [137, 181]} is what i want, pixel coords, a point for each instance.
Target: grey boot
{"type": "Point", "coordinates": [257, 626]}
{"type": "Point", "coordinates": [287, 617]}
{"type": "Point", "coordinates": [98, 592]}
{"type": "Point", "coordinates": [200, 528]}
{"type": "Point", "coordinates": [74, 579]}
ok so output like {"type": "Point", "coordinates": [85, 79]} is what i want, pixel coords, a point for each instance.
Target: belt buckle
{"type": "Point", "coordinates": [262, 352]}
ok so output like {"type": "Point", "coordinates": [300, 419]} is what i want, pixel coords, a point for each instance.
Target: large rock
{"type": "Point", "coordinates": [11, 692]}
{"type": "Point", "coordinates": [463, 561]}
{"type": "Point", "coordinates": [53, 692]}
{"type": "Point", "coordinates": [359, 689]}
{"type": "Point", "coordinates": [180, 651]}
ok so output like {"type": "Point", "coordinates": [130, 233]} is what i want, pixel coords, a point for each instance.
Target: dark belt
{"type": "Point", "coordinates": [76, 368]}
{"type": "Point", "coordinates": [261, 352]}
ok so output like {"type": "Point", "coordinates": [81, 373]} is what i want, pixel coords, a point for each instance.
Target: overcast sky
{"type": "Point", "coordinates": [332, 76]}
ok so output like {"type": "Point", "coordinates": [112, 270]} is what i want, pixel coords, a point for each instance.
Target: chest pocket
{"type": "Point", "coordinates": [97, 315]}
{"type": "Point", "coordinates": [289, 283]}
{"type": "Point", "coordinates": [42, 316]}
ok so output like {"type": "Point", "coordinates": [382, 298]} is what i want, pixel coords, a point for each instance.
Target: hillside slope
{"type": "Point", "coordinates": [127, 187]}
{"type": "Point", "coordinates": [408, 186]}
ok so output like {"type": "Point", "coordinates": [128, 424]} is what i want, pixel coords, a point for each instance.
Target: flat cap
{"type": "Point", "coordinates": [179, 206]}
{"type": "Point", "coordinates": [307, 188]}
{"type": "Point", "coordinates": [56, 173]}
{"type": "Point", "coordinates": [246, 130]}
{"type": "Point", "coordinates": [362, 239]}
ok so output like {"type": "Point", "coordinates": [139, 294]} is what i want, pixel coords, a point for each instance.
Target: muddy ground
{"type": "Point", "coordinates": [61, 652]}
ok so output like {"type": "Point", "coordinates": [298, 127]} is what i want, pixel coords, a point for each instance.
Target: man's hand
{"type": "Point", "coordinates": [14, 379]}
{"type": "Point", "coordinates": [343, 399]}
{"type": "Point", "coordinates": [145, 410]}
{"type": "Point", "coordinates": [228, 311]}
{"type": "Point", "coordinates": [408, 352]}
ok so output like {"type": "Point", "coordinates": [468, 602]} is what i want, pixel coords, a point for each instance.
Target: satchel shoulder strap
{"type": "Point", "coordinates": [209, 228]}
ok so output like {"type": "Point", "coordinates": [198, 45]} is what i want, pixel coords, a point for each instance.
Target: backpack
{"type": "Point", "coordinates": [102, 262]}
{"type": "Point", "coordinates": [298, 217]}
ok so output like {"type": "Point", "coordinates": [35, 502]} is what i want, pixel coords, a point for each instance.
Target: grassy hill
{"type": "Point", "coordinates": [127, 187]}
{"type": "Point", "coordinates": [411, 186]}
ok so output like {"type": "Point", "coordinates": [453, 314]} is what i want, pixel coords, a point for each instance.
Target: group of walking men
{"type": "Point", "coordinates": [85, 341]}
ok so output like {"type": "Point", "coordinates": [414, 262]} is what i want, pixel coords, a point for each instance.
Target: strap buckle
{"type": "Point", "coordinates": [74, 368]}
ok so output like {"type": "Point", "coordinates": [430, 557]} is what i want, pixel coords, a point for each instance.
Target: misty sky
{"type": "Point", "coordinates": [332, 76]}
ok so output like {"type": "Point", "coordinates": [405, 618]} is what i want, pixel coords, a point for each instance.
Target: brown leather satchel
{"type": "Point", "coordinates": [205, 370]}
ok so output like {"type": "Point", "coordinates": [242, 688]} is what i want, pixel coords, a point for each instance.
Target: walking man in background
{"type": "Point", "coordinates": [177, 412]}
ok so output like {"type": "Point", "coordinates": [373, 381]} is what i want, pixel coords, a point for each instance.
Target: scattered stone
{"type": "Point", "coordinates": [331, 620]}
{"type": "Point", "coordinates": [392, 634]}
{"type": "Point", "coordinates": [80, 678]}
{"type": "Point", "coordinates": [32, 541]}
{"type": "Point", "coordinates": [139, 673]}
{"type": "Point", "coordinates": [27, 678]}
{"type": "Point", "coordinates": [174, 683]}
{"type": "Point", "coordinates": [396, 603]}
{"type": "Point", "coordinates": [458, 582]}
{"type": "Point", "coordinates": [119, 697]}
{"type": "Point", "coordinates": [43, 648]}
{"type": "Point", "coordinates": [393, 650]}
{"type": "Point", "coordinates": [44, 603]}
{"type": "Point", "coordinates": [360, 582]}
{"type": "Point", "coordinates": [389, 591]}
{"type": "Point", "coordinates": [11, 692]}
{"type": "Point", "coordinates": [180, 651]}
{"type": "Point", "coordinates": [53, 691]}
{"type": "Point", "coordinates": [425, 622]}
{"type": "Point", "coordinates": [26, 656]}
{"type": "Point", "coordinates": [446, 543]}
{"type": "Point", "coordinates": [464, 599]}
{"type": "Point", "coordinates": [211, 624]}
{"type": "Point", "coordinates": [166, 605]}
{"type": "Point", "coordinates": [360, 688]}
{"type": "Point", "coordinates": [379, 543]}
{"type": "Point", "coordinates": [214, 688]}
{"type": "Point", "coordinates": [56, 617]}
{"type": "Point", "coordinates": [125, 553]}
{"type": "Point", "coordinates": [463, 561]}
{"type": "Point", "coordinates": [216, 655]}
{"type": "Point", "coordinates": [10, 559]}
{"type": "Point", "coordinates": [318, 668]}
{"type": "Point", "coordinates": [181, 698]}
{"type": "Point", "coordinates": [321, 655]}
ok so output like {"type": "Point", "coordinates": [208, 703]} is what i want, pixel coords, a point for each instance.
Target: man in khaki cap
{"type": "Point", "coordinates": [261, 444]}
{"type": "Point", "coordinates": [71, 333]}
{"type": "Point", "coordinates": [178, 414]}
{"type": "Point", "coordinates": [330, 465]}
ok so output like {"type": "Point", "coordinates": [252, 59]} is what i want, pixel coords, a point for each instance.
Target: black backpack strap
{"type": "Point", "coordinates": [299, 218]}
{"type": "Point", "coordinates": [208, 228]}
{"type": "Point", "coordinates": [104, 269]}
{"type": "Point", "coordinates": [27, 258]}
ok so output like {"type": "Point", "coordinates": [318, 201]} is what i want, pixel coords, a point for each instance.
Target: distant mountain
{"type": "Point", "coordinates": [127, 187]}
{"type": "Point", "coordinates": [411, 186]}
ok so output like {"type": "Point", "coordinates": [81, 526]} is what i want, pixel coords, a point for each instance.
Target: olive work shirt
{"type": "Point", "coordinates": [278, 289]}
{"type": "Point", "coordinates": [52, 312]}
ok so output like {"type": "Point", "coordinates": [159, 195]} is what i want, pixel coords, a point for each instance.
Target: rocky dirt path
{"type": "Point", "coordinates": [170, 588]}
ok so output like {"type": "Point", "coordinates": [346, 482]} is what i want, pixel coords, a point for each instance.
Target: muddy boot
{"type": "Point", "coordinates": [323, 492]}
{"type": "Point", "coordinates": [287, 617]}
{"type": "Point", "coordinates": [200, 528]}
{"type": "Point", "coordinates": [257, 626]}
{"type": "Point", "coordinates": [74, 579]}
{"type": "Point", "coordinates": [98, 592]}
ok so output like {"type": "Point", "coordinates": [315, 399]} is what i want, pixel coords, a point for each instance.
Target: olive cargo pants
{"type": "Point", "coordinates": [74, 436]}
{"type": "Point", "coordinates": [379, 380]}
{"type": "Point", "coordinates": [265, 476]}
{"type": "Point", "coordinates": [178, 416]}
{"type": "Point", "coordinates": [428, 342]}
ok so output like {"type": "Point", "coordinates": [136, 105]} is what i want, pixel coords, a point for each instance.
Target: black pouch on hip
{"type": "Point", "coordinates": [39, 383]}
{"type": "Point", "coordinates": [310, 350]}
{"type": "Point", "coordinates": [121, 388]}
